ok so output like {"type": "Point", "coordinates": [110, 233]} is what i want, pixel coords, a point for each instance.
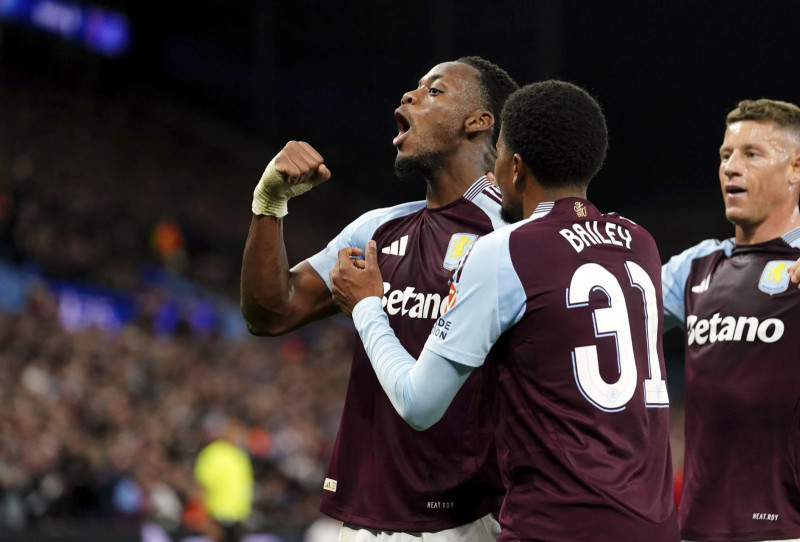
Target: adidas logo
{"type": "Point", "coordinates": [703, 286]}
{"type": "Point", "coordinates": [397, 248]}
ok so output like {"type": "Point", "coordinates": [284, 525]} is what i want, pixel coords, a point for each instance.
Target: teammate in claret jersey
{"type": "Point", "coordinates": [742, 319]}
{"type": "Point", "coordinates": [385, 479]}
{"type": "Point", "coordinates": [566, 302]}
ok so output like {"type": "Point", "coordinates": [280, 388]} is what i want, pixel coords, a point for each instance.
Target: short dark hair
{"type": "Point", "coordinates": [497, 86]}
{"type": "Point", "coordinates": [559, 130]}
{"type": "Point", "coordinates": [783, 114]}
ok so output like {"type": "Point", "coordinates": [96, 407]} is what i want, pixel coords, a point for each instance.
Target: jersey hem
{"type": "Point", "coordinates": [740, 537]}
{"type": "Point", "coordinates": [412, 526]}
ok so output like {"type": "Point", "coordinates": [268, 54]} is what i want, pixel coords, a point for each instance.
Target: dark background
{"type": "Point", "coordinates": [331, 73]}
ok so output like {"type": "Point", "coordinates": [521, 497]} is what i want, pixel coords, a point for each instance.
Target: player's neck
{"type": "Point", "coordinates": [768, 230]}
{"type": "Point", "coordinates": [457, 174]}
{"type": "Point", "coordinates": [540, 195]}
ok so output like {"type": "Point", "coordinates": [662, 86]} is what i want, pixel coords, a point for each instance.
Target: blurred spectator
{"type": "Point", "coordinates": [168, 242]}
{"type": "Point", "coordinates": [225, 474]}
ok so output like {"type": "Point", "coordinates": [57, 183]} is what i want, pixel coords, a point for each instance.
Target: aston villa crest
{"type": "Point", "coordinates": [459, 245]}
{"type": "Point", "coordinates": [775, 277]}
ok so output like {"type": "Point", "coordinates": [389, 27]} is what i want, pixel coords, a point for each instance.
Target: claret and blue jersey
{"type": "Point", "coordinates": [383, 474]}
{"type": "Point", "coordinates": [741, 315]}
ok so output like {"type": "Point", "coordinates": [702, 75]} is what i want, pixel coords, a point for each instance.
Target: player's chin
{"type": "Point", "coordinates": [735, 214]}
{"type": "Point", "coordinates": [404, 163]}
{"type": "Point", "coordinates": [511, 213]}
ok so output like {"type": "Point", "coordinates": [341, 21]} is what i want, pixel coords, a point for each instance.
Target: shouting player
{"type": "Point", "coordinates": [385, 479]}
{"type": "Point", "coordinates": [567, 304]}
{"type": "Point", "coordinates": [741, 314]}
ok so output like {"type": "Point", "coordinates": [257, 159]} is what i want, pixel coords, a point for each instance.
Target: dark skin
{"type": "Point", "coordinates": [276, 299]}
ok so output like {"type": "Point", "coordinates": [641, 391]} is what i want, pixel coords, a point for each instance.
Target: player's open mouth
{"type": "Point", "coordinates": [734, 190]}
{"type": "Point", "coordinates": [403, 126]}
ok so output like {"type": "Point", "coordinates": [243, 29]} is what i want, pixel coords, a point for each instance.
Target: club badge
{"type": "Point", "coordinates": [459, 246]}
{"type": "Point", "coordinates": [775, 277]}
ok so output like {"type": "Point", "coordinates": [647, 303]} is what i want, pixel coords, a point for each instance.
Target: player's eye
{"type": "Point", "coordinates": [434, 91]}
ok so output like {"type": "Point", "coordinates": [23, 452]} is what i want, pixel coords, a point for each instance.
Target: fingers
{"type": "Point", "coordinates": [300, 162]}
{"type": "Point", "coordinates": [794, 272]}
{"type": "Point", "coordinates": [353, 279]}
{"type": "Point", "coordinates": [348, 255]}
{"type": "Point", "coordinates": [371, 256]}
{"type": "Point", "coordinates": [322, 174]}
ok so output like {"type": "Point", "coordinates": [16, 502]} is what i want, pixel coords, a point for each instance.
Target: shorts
{"type": "Point", "coordinates": [485, 529]}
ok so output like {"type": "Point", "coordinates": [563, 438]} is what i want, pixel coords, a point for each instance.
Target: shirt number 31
{"type": "Point", "coordinates": [614, 320]}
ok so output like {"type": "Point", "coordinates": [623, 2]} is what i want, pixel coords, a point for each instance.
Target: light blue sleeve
{"type": "Point", "coordinates": [674, 274]}
{"type": "Point", "coordinates": [489, 299]}
{"type": "Point", "coordinates": [420, 390]}
{"type": "Point", "coordinates": [356, 234]}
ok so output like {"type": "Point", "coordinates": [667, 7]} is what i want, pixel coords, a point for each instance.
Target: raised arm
{"type": "Point", "coordinates": [274, 298]}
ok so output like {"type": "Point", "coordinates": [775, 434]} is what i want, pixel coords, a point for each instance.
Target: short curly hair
{"type": "Point", "coordinates": [559, 130]}
{"type": "Point", "coordinates": [497, 86]}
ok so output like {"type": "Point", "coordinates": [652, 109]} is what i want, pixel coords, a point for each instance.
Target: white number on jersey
{"type": "Point", "coordinates": [614, 321]}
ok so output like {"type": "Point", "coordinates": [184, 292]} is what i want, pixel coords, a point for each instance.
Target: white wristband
{"type": "Point", "coordinates": [273, 192]}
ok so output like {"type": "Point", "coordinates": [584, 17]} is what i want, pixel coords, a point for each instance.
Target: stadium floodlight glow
{"type": "Point", "coordinates": [100, 30]}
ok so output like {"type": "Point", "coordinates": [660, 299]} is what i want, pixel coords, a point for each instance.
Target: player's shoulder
{"type": "Point", "coordinates": [486, 199]}
{"type": "Point", "coordinates": [493, 243]}
{"type": "Point", "coordinates": [377, 217]}
{"type": "Point", "coordinates": [792, 238]}
{"type": "Point", "coordinates": [705, 248]}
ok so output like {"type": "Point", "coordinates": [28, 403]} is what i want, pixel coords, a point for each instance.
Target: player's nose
{"type": "Point", "coordinates": [408, 98]}
{"type": "Point", "coordinates": [732, 166]}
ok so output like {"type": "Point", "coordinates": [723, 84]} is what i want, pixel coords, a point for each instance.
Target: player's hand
{"type": "Point", "coordinates": [794, 272]}
{"type": "Point", "coordinates": [353, 279]}
{"type": "Point", "coordinates": [295, 170]}
{"type": "Point", "coordinates": [298, 162]}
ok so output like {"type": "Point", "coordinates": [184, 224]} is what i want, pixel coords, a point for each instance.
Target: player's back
{"type": "Point", "coordinates": [583, 440]}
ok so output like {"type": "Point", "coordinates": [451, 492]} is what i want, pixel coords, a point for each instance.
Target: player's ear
{"type": "Point", "coordinates": [478, 121]}
{"type": "Point", "coordinates": [520, 169]}
{"type": "Point", "coordinates": [794, 174]}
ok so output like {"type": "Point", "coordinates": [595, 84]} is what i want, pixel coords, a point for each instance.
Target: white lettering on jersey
{"type": "Point", "coordinates": [614, 320]}
{"type": "Point", "coordinates": [444, 505]}
{"type": "Point", "coordinates": [592, 233]}
{"type": "Point", "coordinates": [760, 516]}
{"type": "Point", "coordinates": [703, 286]}
{"type": "Point", "coordinates": [409, 302]}
{"type": "Point", "coordinates": [730, 328]}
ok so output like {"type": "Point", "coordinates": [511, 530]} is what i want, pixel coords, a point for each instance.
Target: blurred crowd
{"type": "Point", "coordinates": [92, 189]}
{"type": "Point", "coordinates": [99, 425]}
